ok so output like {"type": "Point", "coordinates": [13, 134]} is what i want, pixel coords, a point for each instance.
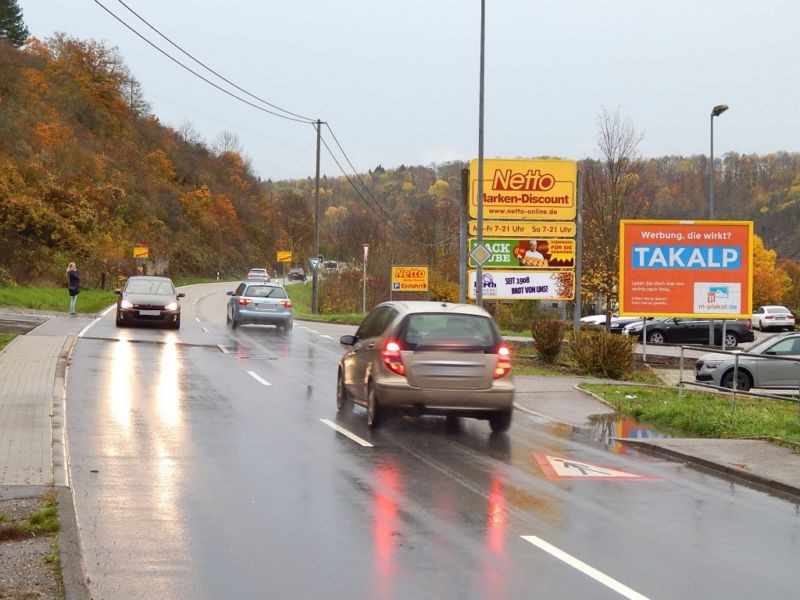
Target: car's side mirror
{"type": "Point", "coordinates": [118, 292]}
{"type": "Point", "coordinates": [348, 340]}
{"type": "Point", "coordinates": [229, 293]}
{"type": "Point", "coordinates": [181, 295]}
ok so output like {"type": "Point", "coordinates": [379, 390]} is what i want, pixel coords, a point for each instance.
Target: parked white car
{"type": "Point", "coordinates": [772, 317]}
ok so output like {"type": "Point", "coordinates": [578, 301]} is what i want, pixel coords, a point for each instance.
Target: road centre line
{"type": "Point", "coordinates": [258, 378]}
{"type": "Point", "coordinates": [607, 581]}
{"type": "Point", "coordinates": [223, 349]}
{"type": "Point", "coordinates": [322, 335]}
{"type": "Point", "coordinates": [346, 433]}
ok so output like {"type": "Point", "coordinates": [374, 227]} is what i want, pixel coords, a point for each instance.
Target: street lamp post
{"type": "Point", "coordinates": [715, 112]}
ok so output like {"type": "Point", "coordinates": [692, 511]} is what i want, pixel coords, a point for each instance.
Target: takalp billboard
{"type": "Point", "coordinates": [686, 268]}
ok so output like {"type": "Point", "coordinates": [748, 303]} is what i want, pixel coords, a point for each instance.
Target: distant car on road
{"type": "Point", "coordinates": [259, 303]}
{"type": "Point", "coordinates": [594, 319]}
{"type": "Point", "coordinates": [772, 317]}
{"type": "Point", "coordinates": [149, 300]}
{"type": "Point", "coordinates": [689, 330]}
{"type": "Point", "coordinates": [754, 371]}
{"type": "Point", "coordinates": [296, 274]}
{"type": "Point", "coordinates": [428, 358]}
{"type": "Point", "coordinates": [258, 274]}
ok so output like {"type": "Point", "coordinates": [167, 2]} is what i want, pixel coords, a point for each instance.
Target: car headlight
{"type": "Point", "coordinates": [171, 306]}
{"type": "Point", "coordinates": [713, 364]}
{"type": "Point", "coordinates": [126, 304]}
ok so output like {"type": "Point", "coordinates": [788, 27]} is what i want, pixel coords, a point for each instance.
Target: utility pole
{"type": "Point", "coordinates": [314, 288]}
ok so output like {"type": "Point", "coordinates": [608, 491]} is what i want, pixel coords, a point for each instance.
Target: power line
{"type": "Point", "coordinates": [388, 218]}
{"type": "Point", "coordinates": [196, 74]}
{"type": "Point", "coordinates": [205, 66]}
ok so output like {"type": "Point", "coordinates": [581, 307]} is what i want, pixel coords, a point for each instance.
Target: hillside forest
{"type": "Point", "coordinates": [87, 172]}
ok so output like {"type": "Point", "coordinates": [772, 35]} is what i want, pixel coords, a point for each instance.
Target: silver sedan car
{"type": "Point", "coordinates": [755, 369]}
{"type": "Point", "coordinates": [428, 358]}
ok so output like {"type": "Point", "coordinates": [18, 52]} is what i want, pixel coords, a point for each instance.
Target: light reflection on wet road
{"type": "Point", "coordinates": [194, 480]}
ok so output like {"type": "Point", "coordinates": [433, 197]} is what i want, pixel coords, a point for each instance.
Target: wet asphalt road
{"type": "Point", "coordinates": [202, 468]}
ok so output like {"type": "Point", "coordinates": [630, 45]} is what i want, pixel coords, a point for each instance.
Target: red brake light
{"type": "Point", "coordinates": [392, 358]}
{"type": "Point", "coordinates": [503, 366]}
{"type": "Point", "coordinates": [286, 303]}
{"type": "Point", "coordinates": [244, 301]}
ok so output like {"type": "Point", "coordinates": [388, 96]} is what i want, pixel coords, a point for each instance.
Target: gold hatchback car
{"type": "Point", "coordinates": [434, 358]}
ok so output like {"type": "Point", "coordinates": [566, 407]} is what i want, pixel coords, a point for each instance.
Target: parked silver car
{"type": "Point", "coordinates": [428, 358]}
{"type": "Point", "coordinates": [754, 370]}
{"type": "Point", "coordinates": [260, 303]}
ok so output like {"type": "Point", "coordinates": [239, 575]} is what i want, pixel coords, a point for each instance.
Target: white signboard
{"type": "Point", "coordinates": [525, 285]}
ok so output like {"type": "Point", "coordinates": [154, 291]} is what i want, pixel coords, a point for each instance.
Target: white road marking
{"type": "Point", "coordinates": [204, 329]}
{"type": "Point", "coordinates": [196, 320]}
{"type": "Point", "coordinates": [88, 327]}
{"type": "Point", "coordinates": [108, 310]}
{"type": "Point", "coordinates": [346, 433]}
{"type": "Point", "coordinates": [325, 336]}
{"type": "Point", "coordinates": [223, 349]}
{"type": "Point", "coordinates": [258, 378]}
{"type": "Point", "coordinates": [607, 581]}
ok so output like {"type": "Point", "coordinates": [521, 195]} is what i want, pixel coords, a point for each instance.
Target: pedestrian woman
{"type": "Point", "coordinates": [73, 285]}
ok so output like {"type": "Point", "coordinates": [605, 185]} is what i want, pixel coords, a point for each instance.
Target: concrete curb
{"type": "Point", "coordinates": [741, 475]}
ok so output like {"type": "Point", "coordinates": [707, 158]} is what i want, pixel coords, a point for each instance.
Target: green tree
{"type": "Point", "coordinates": [12, 27]}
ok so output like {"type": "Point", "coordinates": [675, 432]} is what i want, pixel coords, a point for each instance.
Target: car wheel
{"type": "Point", "coordinates": [760, 326]}
{"type": "Point", "coordinates": [177, 323]}
{"type": "Point", "coordinates": [227, 317]}
{"type": "Point", "coordinates": [731, 340]}
{"type": "Point", "coordinates": [119, 320]}
{"type": "Point", "coordinates": [234, 322]}
{"type": "Point", "coordinates": [374, 410]}
{"type": "Point", "coordinates": [656, 337]}
{"type": "Point", "coordinates": [743, 382]}
{"type": "Point", "coordinates": [500, 420]}
{"type": "Point", "coordinates": [342, 397]}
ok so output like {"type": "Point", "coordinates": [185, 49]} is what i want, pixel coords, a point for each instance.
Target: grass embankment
{"type": "Point", "coordinates": [55, 299]}
{"type": "Point", "coordinates": [703, 414]}
{"type": "Point", "coordinates": [300, 293]}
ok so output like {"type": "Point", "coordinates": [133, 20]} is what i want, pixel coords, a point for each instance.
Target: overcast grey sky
{"type": "Point", "coordinates": [398, 80]}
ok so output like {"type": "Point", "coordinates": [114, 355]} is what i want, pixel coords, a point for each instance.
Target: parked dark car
{"type": "Point", "coordinates": [149, 300]}
{"type": "Point", "coordinates": [619, 323]}
{"type": "Point", "coordinates": [296, 274]}
{"type": "Point", "coordinates": [690, 330]}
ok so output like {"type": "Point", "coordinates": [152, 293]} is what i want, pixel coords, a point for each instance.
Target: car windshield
{"type": "Point", "coordinates": [150, 286]}
{"type": "Point", "coordinates": [447, 329]}
{"type": "Point", "coordinates": [265, 291]}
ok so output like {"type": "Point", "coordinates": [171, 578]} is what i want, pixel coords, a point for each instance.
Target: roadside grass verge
{"type": "Point", "coordinates": [55, 299]}
{"type": "Point", "coordinates": [300, 293]}
{"type": "Point", "coordinates": [702, 414]}
{"type": "Point", "coordinates": [5, 339]}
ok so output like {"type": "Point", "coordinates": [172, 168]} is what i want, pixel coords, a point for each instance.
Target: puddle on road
{"type": "Point", "coordinates": [607, 428]}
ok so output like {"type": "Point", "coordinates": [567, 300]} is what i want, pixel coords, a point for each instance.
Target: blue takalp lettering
{"type": "Point", "coordinates": [686, 257]}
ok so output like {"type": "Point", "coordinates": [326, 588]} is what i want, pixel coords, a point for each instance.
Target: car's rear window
{"type": "Point", "coordinates": [265, 291]}
{"type": "Point", "coordinates": [150, 286]}
{"type": "Point", "coordinates": [442, 329]}
{"type": "Point", "coordinates": [778, 310]}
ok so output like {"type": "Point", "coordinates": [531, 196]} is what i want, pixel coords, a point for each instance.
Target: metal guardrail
{"type": "Point", "coordinates": [733, 390]}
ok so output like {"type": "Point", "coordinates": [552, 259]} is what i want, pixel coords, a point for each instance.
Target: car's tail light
{"type": "Point", "coordinates": [286, 303]}
{"type": "Point", "coordinates": [747, 324]}
{"type": "Point", "coordinates": [392, 357]}
{"type": "Point", "coordinates": [503, 366]}
{"type": "Point", "coordinates": [768, 317]}
{"type": "Point", "coordinates": [244, 301]}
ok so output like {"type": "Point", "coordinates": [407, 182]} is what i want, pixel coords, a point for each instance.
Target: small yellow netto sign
{"type": "Point", "coordinates": [410, 279]}
{"type": "Point", "coordinates": [284, 256]}
{"type": "Point", "coordinates": [140, 252]}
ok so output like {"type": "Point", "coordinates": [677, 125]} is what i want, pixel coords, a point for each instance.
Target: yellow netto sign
{"type": "Point", "coordinates": [284, 256]}
{"type": "Point", "coordinates": [410, 279]}
{"type": "Point", "coordinates": [141, 252]}
{"type": "Point", "coordinates": [524, 229]}
{"type": "Point", "coordinates": [525, 189]}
